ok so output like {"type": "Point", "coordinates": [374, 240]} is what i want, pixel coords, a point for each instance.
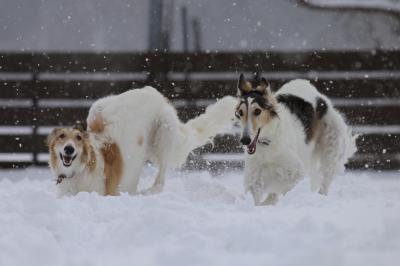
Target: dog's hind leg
{"type": "Point", "coordinates": [163, 154]}
{"type": "Point", "coordinates": [113, 167]}
{"type": "Point", "coordinates": [158, 184]}
{"type": "Point", "coordinates": [315, 173]}
{"type": "Point", "coordinates": [132, 172]}
{"type": "Point", "coordinates": [331, 158]}
{"type": "Point", "coordinates": [335, 144]}
{"type": "Point", "coordinates": [164, 147]}
{"type": "Point", "coordinates": [329, 155]}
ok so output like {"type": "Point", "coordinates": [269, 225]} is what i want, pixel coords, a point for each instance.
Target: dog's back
{"type": "Point", "coordinates": [306, 91]}
{"type": "Point", "coordinates": [334, 141]}
{"type": "Point", "coordinates": [130, 119]}
{"type": "Point", "coordinates": [146, 127]}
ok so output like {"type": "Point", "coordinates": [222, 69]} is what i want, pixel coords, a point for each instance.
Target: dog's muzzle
{"type": "Point", "coordinates": [252, 146]}
{"type": "Point", "coordinates": [245, 140]}
{"type": "Point", "coordinates": [67, 159]}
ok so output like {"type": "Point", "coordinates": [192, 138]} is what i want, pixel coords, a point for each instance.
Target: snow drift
{"type": "Point", "coordinates": [200, 220]}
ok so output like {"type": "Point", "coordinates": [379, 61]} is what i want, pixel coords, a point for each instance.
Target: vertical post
{"type": "Point", "coordinates": [160, 28]}
{"type": "Point", "coordinates": [160, 24]}
{"type": "Point", "coordinates": [155, 24]}
{"type": "Point", "coordinates": [185, 36]}
{"type": "Point", "coordinates": [197, 38]}
{"type": "Point", "coordinates": [35, 106]}
{"type": "Point", "coordinates": [167, 15]}
{"type": "Point", "coordinates": [154, 31]}
{"type": "Point", "coordinates": [185, 32]}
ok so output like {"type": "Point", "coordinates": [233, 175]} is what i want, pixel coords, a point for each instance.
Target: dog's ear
{"type": "Point", "coordinates": [79, 125]}
{"type": "Point", "coordinates": [85, 134]}
{"type": "Point", "coordinates": [243, 86]}
{"type": "Point", "coordinates": [264, 87]}
{"type": "Point", "coordinates": [52, 135]}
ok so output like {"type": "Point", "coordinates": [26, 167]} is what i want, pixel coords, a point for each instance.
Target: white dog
{"type": "Point", "coordinates": [290, 134]}
{"type": "Point", "coordinates": [124, 131]}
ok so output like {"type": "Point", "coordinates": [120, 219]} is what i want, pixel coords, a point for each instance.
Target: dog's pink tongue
{"type": "Point", "coordinates": [67, 159]}
{"type": "Point", "coordinates": [251, 149]}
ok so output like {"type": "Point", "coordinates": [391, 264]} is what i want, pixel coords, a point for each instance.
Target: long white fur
{"type": "Point", "coordinates": [275, 169]}
{"type": "Point", "coordinates": [166, 141]}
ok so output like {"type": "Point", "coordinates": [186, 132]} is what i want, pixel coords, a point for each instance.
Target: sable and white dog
{"type": "Point", "coordinates": [290, 134]}
{"type": "Point", "coordinates": [124, 131]}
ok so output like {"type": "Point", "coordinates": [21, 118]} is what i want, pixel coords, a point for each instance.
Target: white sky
{"type": "Point", "coordinates": [122, 25]}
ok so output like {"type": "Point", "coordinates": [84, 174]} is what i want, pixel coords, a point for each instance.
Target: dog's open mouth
{"type": "Point", "coordinates": [67, 160]}
{"type": "Point", "coordinates": [251, 148]}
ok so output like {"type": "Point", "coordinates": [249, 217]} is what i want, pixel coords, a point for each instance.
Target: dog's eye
{"type": "Point", "coordinates": [62, 136]}
{"type": "Point", "coordinates": [239, 113]}
{"type": "Point", "coordinates": [257, 112]}
{"type": "Point", "coordinates": [78, 137]}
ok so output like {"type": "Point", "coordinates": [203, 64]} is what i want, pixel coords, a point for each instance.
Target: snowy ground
{"type": "Point", "coordinates": [200, 220]}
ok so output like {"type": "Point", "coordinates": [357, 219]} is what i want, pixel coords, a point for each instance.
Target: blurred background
{"type": "Point", "coordinates": [223, 25]}
{"type": "Point", "coordinates": [57, 57]}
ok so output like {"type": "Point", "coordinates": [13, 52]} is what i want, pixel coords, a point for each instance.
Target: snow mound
{"type": "Point", "coordinates": [200, 220]}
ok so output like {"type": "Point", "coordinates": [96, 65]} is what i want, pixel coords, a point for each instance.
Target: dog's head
{"type": "Point", "coordinates": [68, 149]}
{"type": "Point", "coordinates": [255, 110]}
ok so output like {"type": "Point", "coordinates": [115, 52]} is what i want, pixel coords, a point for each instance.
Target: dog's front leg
{"type": "Point", "coordinates": [256, 190]}
{"type": "Point", "coordinates": [272, 199]}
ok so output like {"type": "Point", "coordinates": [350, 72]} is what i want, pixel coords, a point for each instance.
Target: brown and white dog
{"type": "Point", "coordinates": [124, 131]}
{"type": "Point", "coordinates": [82, 163]}
{"type": "Point", "coordinates": [288, 135]}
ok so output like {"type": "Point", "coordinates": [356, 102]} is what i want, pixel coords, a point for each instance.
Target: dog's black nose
{"type": "Point", "coordinates": [245, 140]}
{"type": "Point", "coordinates": [69, 150]}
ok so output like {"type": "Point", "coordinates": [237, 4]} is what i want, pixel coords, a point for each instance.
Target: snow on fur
{"type": "Point", "coordinates": [200, 220]}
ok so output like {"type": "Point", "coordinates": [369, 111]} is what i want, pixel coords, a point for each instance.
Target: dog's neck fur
{"type": "Point", "coordinates": [270, 133]}
{"type": "Point", "coordinates": [283, 133]}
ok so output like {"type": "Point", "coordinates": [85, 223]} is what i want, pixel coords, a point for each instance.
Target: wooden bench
{"type": "Point", "coordinates": [40, 91]}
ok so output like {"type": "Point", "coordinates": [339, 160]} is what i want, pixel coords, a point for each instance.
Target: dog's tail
{"type": "Point", "coordinates": [217, 118]}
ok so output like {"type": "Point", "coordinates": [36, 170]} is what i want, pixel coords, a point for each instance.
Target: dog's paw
{"type": "Point", "coordinates": [272, 199]}
{"type": "Point", "coordinates": [152, 190]}
{"type": "Point", "coordinates": [323, 191]}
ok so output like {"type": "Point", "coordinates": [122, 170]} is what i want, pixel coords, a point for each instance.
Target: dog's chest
{"type": "Point", "coordinates": [89, 182]}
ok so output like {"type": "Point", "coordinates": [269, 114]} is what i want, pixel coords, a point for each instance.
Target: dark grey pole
{"type": "Point", "coordinates": [155, 25]}
{"type": "Point", "coordinates": [196, 34]}
{"type": "Point", "coordinates": [185, 32]}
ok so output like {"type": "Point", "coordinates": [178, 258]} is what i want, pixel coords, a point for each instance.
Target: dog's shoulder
{"type": "Point", "coordinates": [304, 101]}
{"type": "Point", "coordinates": [300, 108]}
